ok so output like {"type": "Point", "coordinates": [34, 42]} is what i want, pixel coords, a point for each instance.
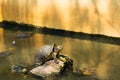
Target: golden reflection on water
{"type": "Point", "coordinates": [67, 49]}
{"type": "Point", "coordinates": [2, 45]}
{"type": "Point", "coordinates": [102, 70]}
{"type": "Point", "coordinates": [104, 57]}
{"type": "Point", "coordinates": [90, 16]}
{"type": "Point", "coordinates": [38, 40]}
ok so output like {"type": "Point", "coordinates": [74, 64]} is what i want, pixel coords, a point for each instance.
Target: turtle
{"type": "Point", "coordinates": [46, 53]}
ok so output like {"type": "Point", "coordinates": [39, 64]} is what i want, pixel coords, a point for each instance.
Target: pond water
{"type": "Point", "coordinates": [85, 53]}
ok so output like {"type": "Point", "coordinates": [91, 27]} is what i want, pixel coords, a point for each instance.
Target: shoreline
{"type": "Point", "coordinates": [14, 26]}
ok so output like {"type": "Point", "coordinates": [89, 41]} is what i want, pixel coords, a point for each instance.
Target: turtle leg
{"type": "Point", "coordinates": [56, 53]}
{"type": "Point", "coordinates": [38, 61]}
{"type": "Point", "coordinates": [56, 60]}
{"type": "Point", "coordinates": [55, 57]}
{"type": "Point", "coordinates": [37, 64]}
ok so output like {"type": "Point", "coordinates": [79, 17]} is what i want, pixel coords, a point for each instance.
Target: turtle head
{"type": "Point", "coordinates": [56, 51]}
{"type": "Point", "coordinates": [57, 48]}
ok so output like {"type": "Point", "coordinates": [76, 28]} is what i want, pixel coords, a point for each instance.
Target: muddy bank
{"type": "Point", "coordinates": [14, 26]}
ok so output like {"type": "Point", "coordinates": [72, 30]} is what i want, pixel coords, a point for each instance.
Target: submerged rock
{"type": "Point", "coordinates": [24, 35]}
{"type": "Point", "coordinates": [52, 68]}
{"type": "Point", "coordinates": [85, 71]}
{"type": "Point", "coordinates": [20, 69]}
{"type": "Point", "coordinates": [4, 54]}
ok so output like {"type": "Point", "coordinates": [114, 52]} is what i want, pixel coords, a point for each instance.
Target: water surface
{"type": "Point", "coordinates": [105, 57]}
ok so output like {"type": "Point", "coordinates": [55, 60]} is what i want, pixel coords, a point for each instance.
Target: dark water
{"type": "Point", "coordinates": [104, 57]}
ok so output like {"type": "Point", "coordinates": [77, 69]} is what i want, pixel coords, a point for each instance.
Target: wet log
{"type": "Point", "coordinates": [51, 68]}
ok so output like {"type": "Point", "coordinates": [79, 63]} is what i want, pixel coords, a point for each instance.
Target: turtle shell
{"type": "Point", "coordinates": [43, 53]}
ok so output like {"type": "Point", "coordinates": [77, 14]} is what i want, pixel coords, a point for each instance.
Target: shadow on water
{"type": "Point", "coordinates": [14, 26]}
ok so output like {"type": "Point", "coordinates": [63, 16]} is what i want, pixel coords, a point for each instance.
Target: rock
{"type": "Point", "coordinates": [24, 35]}
{"type": "Point", "coordinates": [52, 68]}
{"type": "Point", "coordinates": [4, 54]}
{"type": "Point", "coordinates": [20, 69]}
{"type": "Point", "coordinates": [85, 71]}
{"type": "Point", "coordinates": [47, 69]}
{"type": "Point", "coordinates": [14, 43]}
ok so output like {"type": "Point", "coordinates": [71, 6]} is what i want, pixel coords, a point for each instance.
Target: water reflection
{"type": "Point", "coordinates": [104, 57]}
{"type": "Point", "coordinates": [90, 16]}
{"type": "Point", "coordinates": [2, 47]}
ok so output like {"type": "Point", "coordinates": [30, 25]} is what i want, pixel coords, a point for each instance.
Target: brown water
{"type": "Point", "coordinates": [89, 16]}
{"type": "Point", "coordinates": [105, 57]}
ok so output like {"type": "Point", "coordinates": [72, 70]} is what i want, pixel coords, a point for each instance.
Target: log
{"type": "Point", "coordinates": [52, 68]}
